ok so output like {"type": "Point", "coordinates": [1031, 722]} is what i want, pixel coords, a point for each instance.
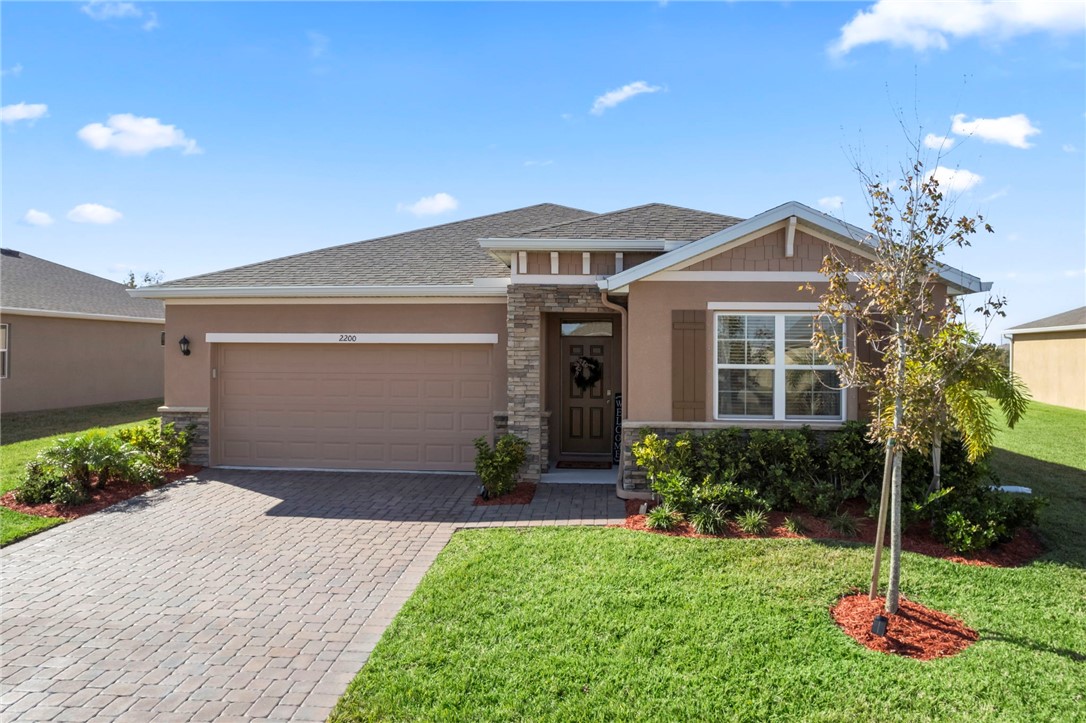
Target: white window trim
{"type": "Point", "coordinates": [779, 371]}
{"type": "Point", "coordinates": [6, 349]}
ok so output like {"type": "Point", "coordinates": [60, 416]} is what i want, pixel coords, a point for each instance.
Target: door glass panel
{"type": "Point", "coordinates": [586, 328]}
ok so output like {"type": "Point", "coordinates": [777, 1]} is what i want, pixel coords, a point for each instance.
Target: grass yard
{"type": "Point", "coordinates": [23, 435]}
{"type": "Point", "coordinates": [610, 624]}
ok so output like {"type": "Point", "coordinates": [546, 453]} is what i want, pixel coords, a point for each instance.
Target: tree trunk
{"type": "Point", "coordinates": [880, 530]}
{"type": "Point", "coordinates": [893, 588]}
{"type": "Point", "coordinates": [936, 463]}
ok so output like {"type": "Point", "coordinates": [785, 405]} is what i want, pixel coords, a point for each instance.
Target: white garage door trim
{"type": "Point", "coordinates": [350, 338]}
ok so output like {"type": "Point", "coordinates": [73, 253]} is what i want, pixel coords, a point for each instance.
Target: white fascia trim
{"type": "Point", "coordinates": [763, 305]}
{"type": "Point", "coordinates": [340, 300]}
{"type": "Point", "coordinates": [558, 279]}
{"type": "Point", "coordinates": [581, 244]}
{"type": "Point", "coordinates": [742, 276]}
{"type": "Point", "coordinates": [190, 410]}
{"type": "Point", "coordinates": [349, 338]}
{"type": "Point", "coordinates": [80, 315]}
{"type": "Point", "coordinates": [1045, 330]}
{"type": "Point", "coordinates": [486, 287]}
{"type": "Point", "coordinates": [852, 236]}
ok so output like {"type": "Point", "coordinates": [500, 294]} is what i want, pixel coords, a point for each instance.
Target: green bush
{"type": "Point", "coordinates": [663, 517]}
{"type": "Point", "coordinates": [45, 484]}
{"type": "Point", "coordinates": [843, 524]}
{"type": "Point", "coordinates": [166, 447]}
{"type": "Point", "coordinates": [753, 522]}
{"type": "Point", "coordinates": [708, 520]}
{"type": "Point", "coordinates": [795, 526]}
{"type": "Point", "coordinates": [497, 468]}
{"type": "Point", "coordinates": [780, 465]}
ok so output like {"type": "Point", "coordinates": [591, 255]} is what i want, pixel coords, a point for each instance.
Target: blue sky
{"type": "Point", "coordinates": [191, 137]}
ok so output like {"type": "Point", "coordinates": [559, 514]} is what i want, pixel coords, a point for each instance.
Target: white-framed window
{"type": "Point", "coordinates": [766, 369]}
{"type": "Point", "coordinates": [3, 351]}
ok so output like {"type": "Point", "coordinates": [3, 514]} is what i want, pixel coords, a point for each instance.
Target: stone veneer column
{"type": "Point", "coordinates": [524, 324]}
{"type": "Point", "coordinates": [182, 417]}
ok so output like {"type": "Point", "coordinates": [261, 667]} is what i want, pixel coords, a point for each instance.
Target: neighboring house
{"type": "Point", "coordinates": [70, 339]}
{"type": "Point", "coordinates": [544, 321]}
{"type": "Point", "coordinates": [1050, 356]}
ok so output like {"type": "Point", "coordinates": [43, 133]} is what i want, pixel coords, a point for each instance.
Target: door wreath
{"type": "Point", "coordinates": [586, 372]}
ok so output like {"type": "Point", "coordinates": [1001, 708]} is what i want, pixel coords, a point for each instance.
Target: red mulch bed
{"type": "Point", "coordinates": [522, 494]}
{"type": "Point", "coordinates": [914, 631]}
{"type": "Point", "coordinates": [1024, 548]}
{"type": "Point", "coordinates": [100, 498]}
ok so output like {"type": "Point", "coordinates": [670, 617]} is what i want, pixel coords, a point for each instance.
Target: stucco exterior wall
{"type": "Point", "coordinates": [57, 363]}
{"type": "Point", "coordinates": [1053, 366]}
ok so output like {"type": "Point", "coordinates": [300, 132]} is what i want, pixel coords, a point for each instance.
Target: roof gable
{"type": "Point", "coordinates": [28, 283]}
{"type": "Point", "coordinates": [1072, 319]}
{"type": "Point", "coordinates": [822, 225]}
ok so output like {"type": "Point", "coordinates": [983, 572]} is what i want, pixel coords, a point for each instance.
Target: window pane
{"type": "Point", "coordinates": [798, 331]}
{"type": "Point", "coordinates": [586, 328]}
{"type": "Point", "coordinates": [812, 393]}
{"type": "Point", "coordinates": [746, 339]}
{"type": "Point", "coordinates": [4, 336]}
{"type": "Point", "coordinates": [731, 352]}
{"type": "Point", "coordinates": [745, 392]}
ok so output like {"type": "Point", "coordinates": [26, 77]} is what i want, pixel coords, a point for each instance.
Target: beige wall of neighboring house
{"type": "Point", "coordinates": [55, 362]}
{"type": "Point", "coordinates": [1053, 366]}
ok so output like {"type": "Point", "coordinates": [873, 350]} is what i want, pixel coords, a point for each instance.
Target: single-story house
{"type": "Point", "coordinates": [569, 328]}
{"type": "Point", "coordinates": [1049, 355]}
{"type": "Point", "coordinates": [71, 339]}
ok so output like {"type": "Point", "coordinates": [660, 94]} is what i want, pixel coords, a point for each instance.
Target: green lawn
{"type": "Point", "coordinates": [23, 435]}
{"type": "Point", "coordinates": [607, 624]}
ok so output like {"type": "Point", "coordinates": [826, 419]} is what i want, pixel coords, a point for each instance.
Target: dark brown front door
{"type": "Point", "coordinates": [586, 407]}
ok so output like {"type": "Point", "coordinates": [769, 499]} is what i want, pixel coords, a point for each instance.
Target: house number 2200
{"type": "Point", "coordinates": [348, 337]}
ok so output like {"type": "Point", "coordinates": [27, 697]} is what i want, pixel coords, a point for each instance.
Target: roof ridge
{"type": "Point", "coordinates": [625, 210]}
{"type": "Point", "coordinates": [371, 240]}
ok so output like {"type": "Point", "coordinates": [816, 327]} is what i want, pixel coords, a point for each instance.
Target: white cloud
{"type": "Point", "coordinates": [34, 217]}
{"type": "Point", "coordinates": [14, 71]}
{"type": "Point", "coordinates": [94, 213]}
{"type": "Point", "coordinates": [107, 10]}
{"type": "Point", "coordinates": [954, 180]}
{"type": "Point", "coordinates": [1011, 130]}
{"type": "Point", "coordinates": [567, 116]}
{"type": "Point", "coordinates": [547, 162]}
{"type": "Point", "coordinates": [938, 143]}
{"type": "Point", "coordinates": [132, 135]}
{"type": "Point", "coordinates": [613, 97]}
{"type": "Point", "coordinates": [23, 111]}
{"type": "Point", "coordinates": [1068, 148]}
{"type": "Point", "coordinates": [318, 44]}
{"type": "Point", "coordinates": [927, 25]}
{"type": "Point", "coordinates": [832, 203]}
{"type": "Point", "coordinates": [430, 205]}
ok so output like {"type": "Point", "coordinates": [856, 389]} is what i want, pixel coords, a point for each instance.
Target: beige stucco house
{"type": "Point", "coordinates": [569, 328]}
{"type": "Point", "coordinates": [71, 339]}
{"type": "Point", "coordinates": [1049, 355]}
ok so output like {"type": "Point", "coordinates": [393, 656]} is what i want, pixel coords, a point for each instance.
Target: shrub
{"type": "Point", "coordinates": [753, 522]}
{"type": "Point", "coordinates": [795, 526]}
{"type": "Point", "coordinates": [497, 468]}
{"type": "Point", "coordinates": [780, 464]}
{"type": "Point", "coordinates": [984, 518]}
{"type": "Point", "coordinates": [663, 517]}
{"type": "Point", "coordinates": [963, 536]}
{"type": "Point", "coordinates": [166, 447]}
{"type": "Point", "coordinates": [708, 520]}
{"type": "Point", "coordinates": [45, 484]}
{"type": "Point", "coordinates": [843, 524]}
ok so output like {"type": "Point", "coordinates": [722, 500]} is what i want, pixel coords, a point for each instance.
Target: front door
{"type": "Point", "coordinates": [587, 411]}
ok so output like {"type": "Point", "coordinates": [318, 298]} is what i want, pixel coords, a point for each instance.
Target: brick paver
{"type": "Point", "coordinates": [238, 595]}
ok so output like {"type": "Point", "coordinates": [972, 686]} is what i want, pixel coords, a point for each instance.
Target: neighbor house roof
{"type": "Point", "coordinates": [653, 221]}
{"type": "Point", "coordinates": [1065, 321]}
{"type": "Point", "coordinates": [445, 255]}
{"type": "Point", "coordinates": [35, 286]}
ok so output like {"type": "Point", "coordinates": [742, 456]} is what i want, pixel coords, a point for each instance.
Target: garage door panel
{"type": "Point", "coordinates": [354, 406]}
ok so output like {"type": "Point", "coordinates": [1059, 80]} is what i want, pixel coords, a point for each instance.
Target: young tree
{"type": "Point", "coordinates": [914, 331]}
{"type": "Point", "coordinates": [149, 279]}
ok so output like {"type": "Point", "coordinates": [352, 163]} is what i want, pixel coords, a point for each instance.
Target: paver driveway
{"type": "Point", "coordinates": [236, 595]}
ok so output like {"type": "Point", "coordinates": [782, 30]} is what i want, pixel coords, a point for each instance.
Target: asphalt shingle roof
{"type": "Point", "coordinates": [652, 221]}
{"type": "Point", "coordinates": [1074, 317]}
{"type": "Point", "coordinates": [438, 255]}
{"type": "Point", "coordinates": [27, 282]}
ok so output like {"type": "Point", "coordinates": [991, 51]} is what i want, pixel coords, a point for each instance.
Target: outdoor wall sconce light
{"type": "Point", "coordinates": [184, 344]}
{"type": "Point", "coordinates": [878, 625]}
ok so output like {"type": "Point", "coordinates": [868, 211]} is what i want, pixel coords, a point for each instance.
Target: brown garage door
{"type": "Point", "coordinates": [353, 406]}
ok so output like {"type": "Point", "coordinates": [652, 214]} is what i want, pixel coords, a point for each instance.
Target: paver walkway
{"type": "Point", "coordinates": [237, 595]}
